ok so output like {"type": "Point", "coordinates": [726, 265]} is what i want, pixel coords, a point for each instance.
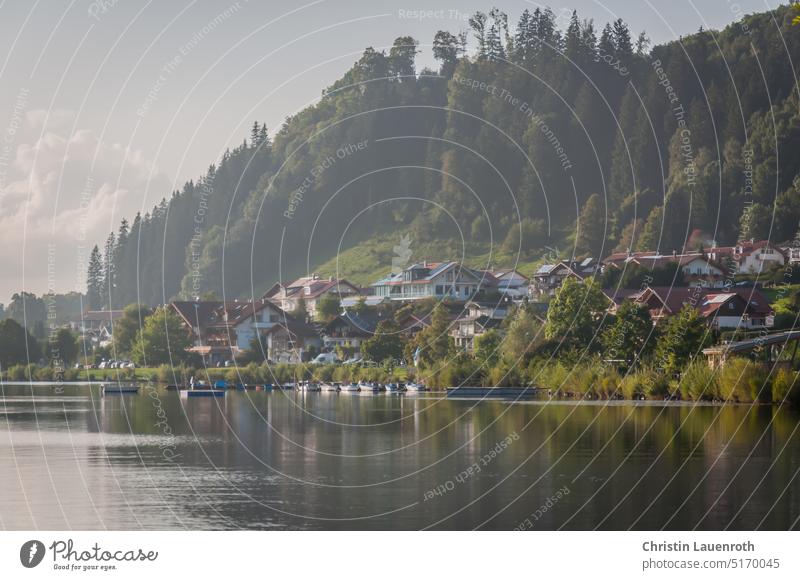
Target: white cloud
{"type": "Point", "coordinates": [66, 190]}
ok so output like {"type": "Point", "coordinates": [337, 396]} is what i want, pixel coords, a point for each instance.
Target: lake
{"type": "Point", "coordinates": [72, 458]}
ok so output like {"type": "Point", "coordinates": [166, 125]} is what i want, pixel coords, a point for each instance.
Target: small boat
{"type": "Point", "coordinates": [416, 387]}
{"type": "Point", "coordinates": [120, 389]}
{"type": "Point", "coordinates": [203, 393]}
{"type": "Point", "coordinates": [349, 388]}
{"type": "Point", "coordinates": [220, 385]}
{"type": "Point", "coordinates": [364, 386]}
{"type": "Point", "coordinates": [312, 387]}
{"type": "Point", "coordinates": [392, 388]}
{"type": "Point", "coordinates": [331, 386]}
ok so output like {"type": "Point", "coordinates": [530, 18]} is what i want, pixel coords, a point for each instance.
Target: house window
{"type": "Point", "coordinates": [439, 290]}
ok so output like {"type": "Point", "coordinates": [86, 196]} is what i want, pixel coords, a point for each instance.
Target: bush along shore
{"type": "Point", "coordinates": [740, 381]}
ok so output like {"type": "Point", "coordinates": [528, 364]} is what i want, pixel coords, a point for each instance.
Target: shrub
{"type": "Point", "coordinates": [504, 375]}
{"type": "Point", "coordinates": [553, 376]}
{"type": "Point", "coordinates": [632, 386]}
{"type": "Point", "coordinates": [786, 387]}
{"type": "Point", "coordinates": [698, 382]}
{"type": "Point", "coordinates": [166, 374]}
{"type": "Point", "coordinates": [653, 383]}
{"type": "Point", "coordinates": [608, 383]}
{"type": "Point", "coordinates": [742, 380]}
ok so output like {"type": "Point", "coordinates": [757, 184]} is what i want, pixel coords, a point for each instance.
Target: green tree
{"type": "Point", "coordinates": [163, 339]}
{"type": "Point", "coordinates": [523, 335]}
{"type": "Point", "coordinates": [575, 312]}
{"type": "Point", "coordinates": [434, 342]}
{"type": "Point", "coordinates": [384, 344]}
{"type": "Point", "coordinates": [127, 328]}
{"type": "Point", "coordinates": [755, 222]}
{"type": "Point", "coordinates": [17, 346]}
{"type": "Point", "coordinates": [29, 311]}
{"type": "Point", "coordinates": [488, 347]}
{"type": "Point", "coordinates": [446, 49]}
{"type": "Point", "coordinates": [683, 336]}
{"type": "Point", "coordinates": [592, 226]}
{"type": "Point", "coordinates": [328, 307]}
{"type": "Point", "coordinates": [64, 347]}
{"type": "Point", "coordinates": [94, 279]}
{"type": "Point", "coordinates": [626, 338]}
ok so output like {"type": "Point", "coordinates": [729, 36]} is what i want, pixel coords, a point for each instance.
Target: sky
{"type": "Point", "coordinates": [107, 106]}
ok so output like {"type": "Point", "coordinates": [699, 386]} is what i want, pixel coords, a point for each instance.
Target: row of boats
{"type": "Point", "coordinates": [202, 387]}
{"type": "Point", "coordinates": [362, 386]}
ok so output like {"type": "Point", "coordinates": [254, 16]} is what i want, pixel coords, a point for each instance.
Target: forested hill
{"type": "Point", "coordinates": [505, 148]}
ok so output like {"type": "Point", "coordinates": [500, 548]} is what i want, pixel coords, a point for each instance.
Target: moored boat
{"type": "Point", "coordinates": [416, 387]}
{"type": "Point", "coordinates": [202, 393]}
{"type": "Point", "coordinates": [367, 387]}
{"type": "Point", "coordinates": [331, 386]}
{"type": "Point", "coordinates": [392, 388]}
{"type": "Point", "coordinates": [120, 389]}
{"type": "Point", "coordinates": [349, 388]}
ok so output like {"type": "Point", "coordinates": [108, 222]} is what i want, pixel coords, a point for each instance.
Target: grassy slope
{"type": "Point", "coordinates": [371, 260]}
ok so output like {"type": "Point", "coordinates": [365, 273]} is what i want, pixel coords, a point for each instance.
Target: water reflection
{"type": "Point", "coordinates": [76, 459]}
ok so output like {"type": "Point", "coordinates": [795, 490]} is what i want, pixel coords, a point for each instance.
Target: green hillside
{"type": "Point", "coordinates": [581, 140]}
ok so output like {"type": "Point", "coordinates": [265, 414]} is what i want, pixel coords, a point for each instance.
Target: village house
{"type": "Point", "coordinates": [477, 318]}
{"type": "Point", "coordinates": [95, 320]}
{"type": "Point", "coordinates": [309, 289]}
{"type": "Point", "coordinates": [741, 307]}
{"type": "Point", "coordinates": [548, 278]}
{"type": "Point", "coordinates": [291, 341]}
{"type": "Point", "coordinates": [433, 280]}
{"type": "Point", "coordinates": [696, 267]}
{"type": "Point", "coordinates": [751, 257]}
{"type": "Point", "coordinates": [348, 331]}
{"type": "Point", "coordinates": [222, 330]}
{"type": "Point", "coordinates": [511, 283]}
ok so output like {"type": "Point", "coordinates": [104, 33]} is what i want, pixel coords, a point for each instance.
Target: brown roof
{"type": "Point", "coordinates": [316, 286]}
{"type": "Point", "coordinates": [212, 313]}
{"type": "Point", "coordinates": [744, 249]}
{"type": "Point", "coordinates": [101, 315]}
{"type": "Point", "coordinates": [674, 298]}
{"type": "Point", "coordinates": [295, 328]}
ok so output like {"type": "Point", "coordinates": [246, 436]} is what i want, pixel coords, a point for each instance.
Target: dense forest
{"type": "Point", "coordinates": [585, 139]}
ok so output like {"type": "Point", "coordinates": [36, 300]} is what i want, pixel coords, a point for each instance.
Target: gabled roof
{"type": "Point", "coordinates": [101, 315]}
{"type": "Point", "coordinates": [707, 300]}
{"type": "Point", "coordinates": [434, 269]}
{"type": "Point", "coordinates": [309, 287]}
{"type": "Point", "coordinates": [295, 328]}
{"type": "Point", "coordinates": [364, 323]}
{"type": "Point", "coordinates": [218, 314]}
{"type": "Point", "coordinates": [744, 249]}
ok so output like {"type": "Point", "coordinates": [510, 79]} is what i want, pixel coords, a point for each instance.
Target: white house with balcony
{"type": "Point", "coordinates": [751, 257]}
{"type": "Point", "coordinates": [432, 280]}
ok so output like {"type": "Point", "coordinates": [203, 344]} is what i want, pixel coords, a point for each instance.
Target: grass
{"type": "Point", "coordinates": [372, 260]}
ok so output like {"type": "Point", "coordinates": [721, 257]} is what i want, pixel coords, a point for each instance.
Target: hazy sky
{"type": "Point", "coordinates": [107, 106]}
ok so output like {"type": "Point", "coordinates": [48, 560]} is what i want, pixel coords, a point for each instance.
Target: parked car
{"type": "Point", "coordinates": [352, 361]}
{"type": "Point", "coordinates": [326, 358]}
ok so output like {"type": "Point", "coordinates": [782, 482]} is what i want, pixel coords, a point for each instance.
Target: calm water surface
{"type": "Point", "coordinates": [74, 459]}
